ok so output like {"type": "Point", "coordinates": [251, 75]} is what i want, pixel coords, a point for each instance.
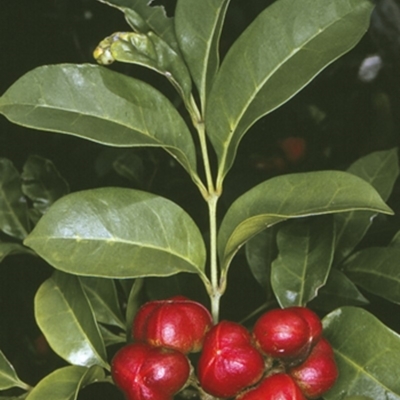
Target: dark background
{"type": "Point", "coordinates": [339, 117]}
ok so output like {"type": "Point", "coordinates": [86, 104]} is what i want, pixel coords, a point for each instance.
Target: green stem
{"type": "Point", "coordinates": [211, 197]}
{"type": "Point", "coordinates": [216, 293]}
{"type": "Point", "coordinates": [198, 123]}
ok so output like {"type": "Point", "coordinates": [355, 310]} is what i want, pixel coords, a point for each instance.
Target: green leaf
{"type": "Point", "coordinates": [260, 251]}
{"type": "Point", "coordinates": [7, 249]}
{"type": "Point", "coordinates": [13, 209]}
{"type": "Point", "coordinates": [100, 105]}
{"type": "Point", "coordinates": [293, 196]}
{"type": "Point", "coordinates": [64, 315]}
{"type": "Point", "coordinates": [102, 295]}
{"type": "Point", "coordinates": [198, 26]}
{"type": "Point", "coordinates": [8, 376]}
{"type": "Point", "coordinates": [273, 60]}
{"type": "Point", "coordinates": [358, 398]}
{"type": "Point", "coordinates": [118, 233]}
{"type": "Point", "coordinates": [65, 383]}
{"type": "Point", "coordinates": [42, 183]}
{"type": "Point", "coordinates": [143, 17]}
{"type": "Point", "coordinates": [376, 269]}
{"type": "Point", "coordinates": [306, 249]}
{"type": "Point", "coordinates": [147, 50]}
{"type": "Point", "coordinates": [338, 291]}
{"type": "Point", "coordinates": [381, 170]}
{"type": "Point", "coordinates": [367, 354]}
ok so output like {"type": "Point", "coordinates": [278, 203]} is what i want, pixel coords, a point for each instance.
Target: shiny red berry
{"type": "Point", "coordinates": [283, 333]}
{"type": "Point", "coordinates": [275, 387]}
{"type": "Point", "coordinates": [177, 323]}
{"type": "Point", "coordinates": [229, 362]}
{"type": "Point", "coordinates": [313, 321]}
{"type": "Point", "coordinates": [318, 373]}
{"type": "Point", "coordinates": [144, 372]}
{"type": "Point", "coordinates": [288, 333]}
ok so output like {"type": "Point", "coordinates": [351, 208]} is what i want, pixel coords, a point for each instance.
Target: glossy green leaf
{"type": "Point", "coordinates": [293, 196]}
{"type": "Point", "coordinates": [144, 17]}
{"type": "Point", "coordinates": [273, 60]}
{"type": "Point", "coordinates": [381, 170]}
{"type": "Point", "coordinates": [13, 208]}
{"type": "Point", "coordinates": [338, 291]}
{"type": "Point", "coordinates": [147, 50]}
{"type": "Point", "coordinates": [102, 295]}
{"type": "Point", "coordinates": [198, 26]}
{"type": "Point", "coordinates": [118, 233]}
{"type": "Point", "coordinates": [8, 249]}
{"type": "Point", "coordinates": [306, 249]}
{"type": "Point", "coordinates": [260, 251]}
{"type": "Point", "coordinates": [64, 315]}
{"type": "Point", "coordinates": [42, 183]}
{"type": "Point", "coordinates": [376, 269]}
{"type": "Point", "coordinates": [8, 376]}
{"type": "Point", "coordinates": [65, 383]}
{"type": "Point", "coordinates": [367, 354]}
{"type": "Point", "coordinates": [97, 104]}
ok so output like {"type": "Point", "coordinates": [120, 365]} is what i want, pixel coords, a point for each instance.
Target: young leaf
{"type": "Point", "coordinates": [8, 376]}
{"type": "Point", "coordinates": [65, 383]}
{"type": "Point", "coordinates": [305, 257]}
{"type": "Point", "coordinates": [13, 208]}
{"type": "Point", "coordinates": [150, 51]}
{"type": "Point", "coordinates": [198, 26]}
{"type": "Point", "coordinates": [367, 354]}
{"type": "Point", "coordinates": [381, 170]}
{"type": "Point", "coordinates": [260, 251]}
{"type": "Point", "coordinates": [64, 315]}
{"type": "Point", "coordinates": [144, 17]}
{"type": "Point", "coordinates": [338, 291]}
{"type": "Point", "coordinates": [102, 295]}
{"type": "Point", "coordinates": [42, 183]}
{"type": "Point", "coordinates": [273, 59]}
{"type": "Point", "coordinates": [97, 104]}
{"type": "Point", "coordinates": [376, 269]}
{"type": "Point", "coordinates": [293, 196]}
{"type": "Point", "coordinates": [118, 233]}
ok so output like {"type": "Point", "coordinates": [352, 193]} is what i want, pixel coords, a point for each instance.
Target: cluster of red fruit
{"type": "Point", "coordinates": [284, 358]}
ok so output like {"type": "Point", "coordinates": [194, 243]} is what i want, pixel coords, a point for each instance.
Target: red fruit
{"type": "Point", "coordinates": [274, 387]}
{"type": "Point", "coordinates": [318, 373]}
{"type": "Point", "coordinates": [313, 322]}
{"type": "Point", "coordinates": [177, 323]}
{"type": "Point", "coordinates": [144, 372]}
{"type": "Point", "coordinates": [229, 362]}
{"type": "Point", "coordinates": [283, 333]}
